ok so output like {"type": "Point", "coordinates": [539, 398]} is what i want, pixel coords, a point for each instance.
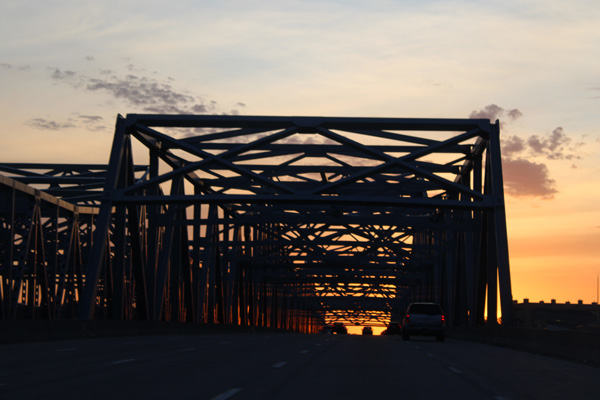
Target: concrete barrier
{"type": "Point", "coordinates": [582, 346]}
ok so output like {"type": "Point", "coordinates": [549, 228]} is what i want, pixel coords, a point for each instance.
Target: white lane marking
{"type": "Point", "coordinates": [455, 370]}
{"type": "Point", "coordinates": [227, 394]}
{"type": "Point", "coordinates": [304, 352]}
{"type": "Point", "coordinates": [318, 344]}
{"type": "Point", "coordinates": [66, 349]}
{"type": "Point", "coordinates": [279, 364]}
{"type": "Point", "coordinates": [418, 347]}
{"type": "Point", "coordinates": [500, 398]}
{"type": "Point", "coordinates": [188, 349]}
{"type": "Point", "coordinates": [2, 384]}
{"type": "Point", "coordinates": [429, 355]}
{"type": "Point", "coordinates": [225, 342]}
{"type": "Point", "coordinates": [123, 361]}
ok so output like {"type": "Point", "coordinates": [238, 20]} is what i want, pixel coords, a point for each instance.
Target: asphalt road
{"type": "Point", "coordinates": [285, 366]}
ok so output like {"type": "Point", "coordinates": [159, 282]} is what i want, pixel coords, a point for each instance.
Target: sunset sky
{"type": "Point", "coordinates": [67, 68]}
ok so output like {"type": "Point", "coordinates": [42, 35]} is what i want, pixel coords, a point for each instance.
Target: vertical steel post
{"type": "Point", "coordinates": [97, 253]}
{"type": "Point", "coordinates": [500, 231]}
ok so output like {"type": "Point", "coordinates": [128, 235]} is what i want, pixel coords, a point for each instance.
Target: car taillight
{"type": "Point", "coordinates": [407, 317]}
{"type": "Point", "coordinates": [443, 319]}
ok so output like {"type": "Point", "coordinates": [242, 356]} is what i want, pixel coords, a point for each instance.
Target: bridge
{"type": "Point", "coordinates": [279, 222]}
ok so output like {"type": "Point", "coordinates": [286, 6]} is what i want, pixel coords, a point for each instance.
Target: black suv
{"type": "Point", "coordinates": [393, 328]}
{"type": "Point", "coordinates": [424, 319]}
{"type": "Point", "coordinates": [339, 328]}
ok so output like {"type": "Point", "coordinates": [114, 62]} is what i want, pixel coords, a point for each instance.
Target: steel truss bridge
{"type": "Point", "coordinates": [286, 222]}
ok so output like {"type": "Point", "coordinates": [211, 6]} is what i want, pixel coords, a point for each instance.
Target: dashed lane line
{"type": "Point", "coordinates": [279, 364]}
{"type": "Point", "coordinates": [304, 352]}
{"type": "Point", "coordinates": [455, 370]}
{"type": "Point", "coordinates": [228, 394]}
{"type": "Point", "coordinates": [188, 349]}
{"type": "Point", "coordinates": [66, 349]}
{"type": "Point", "coordinates": [123, 361]}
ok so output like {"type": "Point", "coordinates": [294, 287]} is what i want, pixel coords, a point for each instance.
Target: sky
{"type": "Point", "coordinates": [68, 68]}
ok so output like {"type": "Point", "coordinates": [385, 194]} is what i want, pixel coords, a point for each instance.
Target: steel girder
{"type": "Point", "coordinates": [43, 244]}
{"type": "Point", "coordinates": [289, 221]}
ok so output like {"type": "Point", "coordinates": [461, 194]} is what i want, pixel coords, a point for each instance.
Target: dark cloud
{"type": "Point", "coordinates": [514, 114]}
{"type": "Point", "coordinates": [512, 145]}
{"type": "Point", "coordinates": [137, 90]}
{"type": "Point", "coordinates": [60, 75]}
{"type": "Point", "coordinates": [7, 66]}
{"type": "Point", "coordinates": [524, 178]}
{"type": "Point", "coordinates": [145, 93]}
{"type": "Point", "coordinates": [494, 112]}
{"type": "Point", "coordinates": [91, 118]}
{"type": "Point", "coordinates": [198, 108]}
{"type": "Point", "coordinates": [45, 124]}
{"type": "Point", "coordinates": [93, 123]}
{"type": "Point", "coordinates": [141, 92]}
{"type": "Point", "coordinates": [491, 112]}
{"type": "Point", "coordinates": [555, 146]}
{"type": "Point", "coordinates": [527, 178]}
{"type": "Point", "coordinates": [89, 122]}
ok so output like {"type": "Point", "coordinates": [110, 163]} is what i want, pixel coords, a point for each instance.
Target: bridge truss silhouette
{"type": "Point", "coordinates": [285, 222]}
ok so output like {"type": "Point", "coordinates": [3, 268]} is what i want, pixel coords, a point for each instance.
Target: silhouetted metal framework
{"type": "Point", "coordinates": [286, 222]}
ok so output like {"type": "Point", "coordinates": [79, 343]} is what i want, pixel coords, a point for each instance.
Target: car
{"type": "Point", "coordinates": [339, 328]}
{"type": "Point", "coordinates": [326, 329]}
{"type": "Point", "coordinates": [424, 319]}
{"type": "Point", "coordinates": [393, 328]}
{"type": "Point", "coordinates": [367, 330]}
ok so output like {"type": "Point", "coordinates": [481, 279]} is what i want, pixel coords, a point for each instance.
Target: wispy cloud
{"type": "Point", "coordinates": [7, 66]}
{"type": "Point", "coordinates": [136, 91]}
{"type": "Point", "coordinates": [92, 122]}
{"type": "Point", "coordinates": [144, 93]}
{"type": "Point", "coordinates": [89, 122]}
{"type": "Point", "coordinates": [48, 125]}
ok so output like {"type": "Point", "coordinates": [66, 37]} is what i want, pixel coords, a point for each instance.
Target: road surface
{"type": "Point", "coordinates": [241, 366]}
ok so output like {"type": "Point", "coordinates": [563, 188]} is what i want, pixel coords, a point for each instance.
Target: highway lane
{"type": "Point", "coordinates": [285, 366]}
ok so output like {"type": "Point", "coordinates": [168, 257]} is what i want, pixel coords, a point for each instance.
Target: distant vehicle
{"type": "Point", "coordinates": [393, 328]}
{"type": "Point", "coordinates": [424, 319]}
{"type": "Point", "coordinates": [367, 330]}
{"type": "Point", "coordinates": [339, 328]}
{"type": "Point", "coordinates": [327, 329]}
